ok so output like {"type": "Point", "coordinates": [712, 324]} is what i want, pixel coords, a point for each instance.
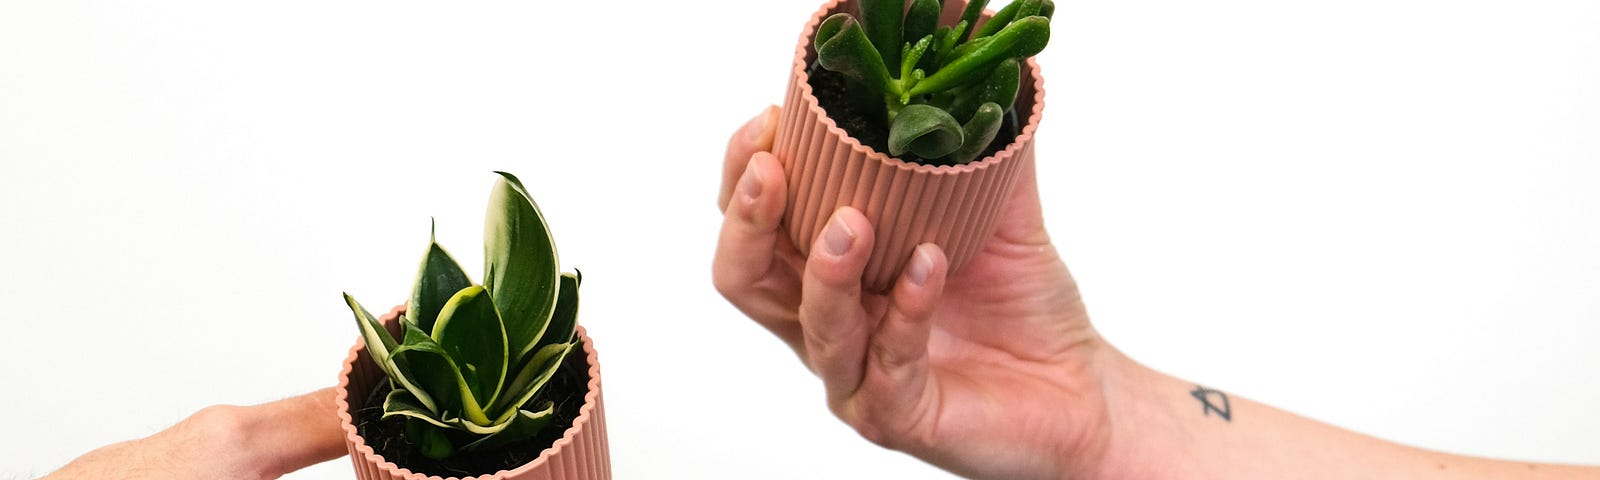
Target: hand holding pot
{"type": "Point", "coordinates": [995, 372]}
{"type": "Point", "coordinates": [988, 373]}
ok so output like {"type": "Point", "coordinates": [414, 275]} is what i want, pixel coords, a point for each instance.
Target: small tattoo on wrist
{"type": "Point", "coordinates": [1213, 401]}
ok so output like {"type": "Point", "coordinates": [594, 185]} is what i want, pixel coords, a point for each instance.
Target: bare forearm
{"type": "Point", "coordinates": [1167, 428]}
{"type": "Point", "coordinates": [256, 442]}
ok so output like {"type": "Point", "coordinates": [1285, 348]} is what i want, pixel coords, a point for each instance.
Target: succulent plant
{"type": "Point", "coordinates": [950, 87]}
{"type": "Point", "coordinates": [472, 357]}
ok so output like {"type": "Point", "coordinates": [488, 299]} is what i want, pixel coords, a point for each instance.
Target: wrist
{"type": "Point", "coordinates": [1140, 422]}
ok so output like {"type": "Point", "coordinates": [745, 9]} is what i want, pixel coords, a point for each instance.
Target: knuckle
{"type": "Point", "coordinates": [892, 358]}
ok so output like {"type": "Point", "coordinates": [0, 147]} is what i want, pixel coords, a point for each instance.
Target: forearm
{"type": "Point", "coordinates": [256, 442]}
{"type": "Point", "coordinates": [1167, 428]}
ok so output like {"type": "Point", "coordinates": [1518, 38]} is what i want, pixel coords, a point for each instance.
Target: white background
{"type": "Point", "coordinates": [1379, 213]}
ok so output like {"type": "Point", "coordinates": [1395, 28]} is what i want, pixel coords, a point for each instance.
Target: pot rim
{"type": "Point", "coordinates": [803, 80]}
{"type": "Point", "coordinates": [586, 414]}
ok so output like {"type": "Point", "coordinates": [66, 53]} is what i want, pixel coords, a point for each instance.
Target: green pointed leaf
{"type": "Point", "coordinates": [470, 331]}
{"type": "Point", "coordinates": [432, 375]}
{"type": "Point", "coordinates": [524, 424]}
{"type": "Point", "coordinates": [564, 323]}
{"type": "Point", "coordinates": [471, 409]}
{"type": "Point", "coordinates": [532, 377]}
{"type": "Point", "coordinates": [843, 47]}
{"type": "Point", "coordinates": [403, 403]}
{"type": "Point", "coordinates": [520, 267]}
{"type": "Point", "coordinates": [381, 347]}
{"type": "Point", "coordinates": [1021, 39]}
{"type": "Point", "coordinates": [439, 278]}
{"type": "Point", "coordinates": [924, 130]}
{"type": "Point", "coordinates": [881, 21]}
{"type": "Point", "coordinates": [977, 133]}
{"type": "Point", "coordinates": [913, 55]}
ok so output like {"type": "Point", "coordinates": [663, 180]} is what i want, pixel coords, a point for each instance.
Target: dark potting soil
{"type": "Point", "coordinates": [864, 120]}
{"type": "Point", "coordinates": [387, 436]}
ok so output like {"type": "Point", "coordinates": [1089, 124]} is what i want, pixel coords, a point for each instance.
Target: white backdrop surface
{"type": "Point", "coordinates": [1381, 214]}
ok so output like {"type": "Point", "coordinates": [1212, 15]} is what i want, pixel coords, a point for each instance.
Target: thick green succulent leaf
{"type": "Point", "coordinates": [909, 74]}
{"type": "Point", "coordinates": [1013, 11]}
{"type": "Point", "coordinates": [381, 347]}
{"type": "Point", "coordinates": [402, 403]}
{"type": "Point", "coordinates": [924, 130]}
{"type": "Point", "coordinates": [1021, 39]}
{"type": "Point", "coordinates": [1000, 88]}
{"type": "Point", "coordinates": [844, 48]}
{"type": "Point", "coordinates": [881, 21]}
{"type": "Point", "coordinates": [523, 425]}
{"type": "Point", "coordinates": [922, 19]}
{"type": "Point", "coordinates": [471, 333]}
{"type": "Point", "coordinates": [1028, 8]}
{"type": "Point", "coordinates": [472, 410]}
{"type": "Point", "coordinates": [439, 278]}
{"type": "Point", "coordinates": [531, 378]}
{"type": "Point", "coordinates": [977, 133]}
{"type": "Point", "coordinates": [970, 17]}
{"type": "Point", "coordinates": [521, 271]}
{"type": "Point", "coordinates": [999, 20]}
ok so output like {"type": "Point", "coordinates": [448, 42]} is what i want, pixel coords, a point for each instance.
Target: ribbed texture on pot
{"type": "Point", "coordinates": [955, 207]}
{"type": "Point", "coordinates": [581, 454]}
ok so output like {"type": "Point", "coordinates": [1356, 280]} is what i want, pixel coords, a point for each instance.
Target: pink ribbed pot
{"type": "Point", "coordinates": [581, 454]}
{"type": "Point", "coordinates": [954, 207]}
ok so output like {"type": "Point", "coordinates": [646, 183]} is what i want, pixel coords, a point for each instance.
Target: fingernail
{"type": "Point", "coordinates": [921, 266]}
{"type": "Point", "coordinates": [757, 126]}
{"type": "Point", "coordinates": [750, 183]}
{"type": "Point", "coordinates": [838, 237]}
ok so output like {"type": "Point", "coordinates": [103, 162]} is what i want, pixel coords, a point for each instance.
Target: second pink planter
{"type": "Point", "coordinates": [954, 207]}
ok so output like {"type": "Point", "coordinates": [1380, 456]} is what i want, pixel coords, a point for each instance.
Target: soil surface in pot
{"type": "Point", "coordinates": [864, 120]}
{"type": "Point", "coordinates": [387, 437]}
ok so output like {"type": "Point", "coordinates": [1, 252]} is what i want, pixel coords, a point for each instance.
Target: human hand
{"type": "Point", "coordinates": [993, 372]}
{"type": "Point", "coordinates": [224, 441]}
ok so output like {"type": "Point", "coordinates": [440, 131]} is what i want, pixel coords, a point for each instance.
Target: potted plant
{"type": "Point", "coordinates": [490, 381]}
{"type": "Point", "coordinates": [919, 114]}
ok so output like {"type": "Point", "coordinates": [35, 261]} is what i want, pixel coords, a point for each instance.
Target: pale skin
{"type": "Point", "coordinates": [996, 372]}
{"type": "Point", "coordinates": [257, 442]}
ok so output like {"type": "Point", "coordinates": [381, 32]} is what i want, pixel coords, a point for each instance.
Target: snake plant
{"type": "Point", "coordinates": [949, 86]}
{"type": "Point", "coordinates": [472, 357]}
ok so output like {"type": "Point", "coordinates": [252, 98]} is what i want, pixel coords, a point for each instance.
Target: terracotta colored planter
{"type": "Point", "coordinates": [581, 454]}
{"type": "Point", "coordinates": [955, 207]}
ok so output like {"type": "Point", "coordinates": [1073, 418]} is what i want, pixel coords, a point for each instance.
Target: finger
{"type": "Point", "coordinates": [831, 312]}
{"type": "Point", "coordinates": [748, 268]}
{"type": "Point", "coordinates": [896, 392]}
{"type": "Point", "coordinates": [755, 136]}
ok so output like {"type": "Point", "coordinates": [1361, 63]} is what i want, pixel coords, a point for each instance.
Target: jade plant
{"type": "Point", "coordinates": [944, 89]}
{"type": "Point", "coordinates": [472, 358]}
